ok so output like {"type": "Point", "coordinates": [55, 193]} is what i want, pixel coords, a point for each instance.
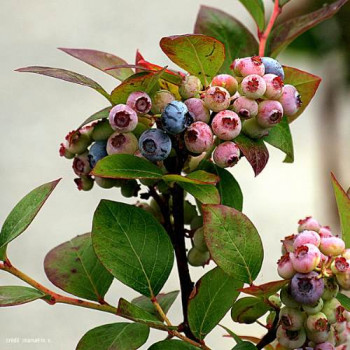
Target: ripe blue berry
{"type": "Point", "coordinates": [140, 102]}
{"type": "Point", "coordinates": [123, 118]}
{"type": "Point", "coordinates": [97, 151]}
{"type": "Point", "coordinates": [176, 118]}
{"type": "Point", "coordinates": [273, 67]}
{"type": "Point", "coordinates": [306, 288]}
{"type": "Point", "coordinates": [155, 145]}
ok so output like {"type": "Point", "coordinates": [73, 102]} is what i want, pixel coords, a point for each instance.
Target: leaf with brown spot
{"type": "Point", "coordinates": [73, 266]}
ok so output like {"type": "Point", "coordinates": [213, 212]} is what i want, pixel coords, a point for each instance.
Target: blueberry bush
{"type": "Point", "coordinates": [168, 138]}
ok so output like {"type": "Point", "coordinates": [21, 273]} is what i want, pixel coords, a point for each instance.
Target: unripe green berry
{"type": "Point", "coordinates": [330, 310]}
{"type": "Point", "coordinates": [331, 288]}
{"type": "Point", "coordinates": [317, 322]}
{"type": "Point", "coordinates": [190, 212]}
{"type": "Point", "coordinates": [287, 298]}
{"type": "Point", "coordinates": [291, 339]}
{"type": "Point", "coordinates": [275, 301]}
{"type": "Point", "coordinates": [252, 129]}
{"type": "Point", "coordinates": [130, 188]}
{"type": "Point", "coordinates": [196, 222]}
{"type": "Point", "coordinates": [291, 318]}
{"type": "Point", "coordinates": [84, 183]}
{"type": "Point", "coordinates": [102, 130]}
{"type": "Point", "coordinates": [190, 87]}
{"type": "Point", "coordinates": [197, 258]}
{"type": "Point", "coordinates": [199, 241]}
{"type": "Point", "coordinates": [314, 309]}
{"type": "Point", "coordinates": [104, 182]}
{"type": "Point", "coordinates": [160, 100]}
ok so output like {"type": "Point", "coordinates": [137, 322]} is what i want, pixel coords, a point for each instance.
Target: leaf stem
{"type": "Point", "coordinates": [264, 36]}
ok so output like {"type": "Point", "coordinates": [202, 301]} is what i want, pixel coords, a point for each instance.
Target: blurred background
{"type": "Point", "coordinates": [37, 112]}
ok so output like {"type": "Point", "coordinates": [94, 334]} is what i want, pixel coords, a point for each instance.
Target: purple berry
{"type": "Point", "coordinates": [270, 113]}
{"type": "Point", "coordinates": [245, 107]}
{"type": "Point", "coordinates": [249, 65]}
{"type": "Point", "coordinates": [155, 145]}
{"type": "Point", "coordinates": [140, 102]}
{"type": "Point", "coordinates": [198, 137]}
{"type": "Point", "coordinates": [290, 100]}
{"type": "Point", "coordinates": [274, 86]}
{"type": "Point", "coordinates": [176, 118]}
{"type": "Point", "coordinates": [226, 125]}
{"type": "Point", "coordinates": [122, 118]}
{"type": "Point", "coordinates": [190, 87]}
{"type": "Point", "coordinates": [226, 154]}
{"type": "Point", "coordinates": [253, 86]}
{"type": "Point", "coordinates": [273, 67]}
{"type": "Point", "coordinates": [121, 143]}
{"type": "Point", "coordinates": [306, 288]}
{"type": "Point", "coordinates": [216, 98]}
{"type": "Point", "coordinates": [197, 109]}
{"type": "Point", "coordinates": [226, 81]}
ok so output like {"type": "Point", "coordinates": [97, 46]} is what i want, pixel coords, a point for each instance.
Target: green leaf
{"type": "Point", "coordinates": [196, 177]}
{"type": "Point", "coordinates": [238, 41]}
{"type": "Point", "coordinates": [233, 242]}
{"type": "Point", "coordinates": [73, 266]}
{"type": "Point", "coordinates": [164, 300]}
{"type": "Point", "coordinates": [135, 313]}
{"type": "Point", "coordinates": [126, 166]}
{"type": "Point", "coordinates": [16, 295]}
{"type": "Point", "coordinates": [232, 334]}
{"type": "Point", "coordinates": [282, 2]}
{"type": "Point", "coordinates": [264, 290]}
{"type": "Point", "coordinates": [206, 194]}
{"type": "Point", "coordinates": [257, 11]}
{"type": "Point", "coordinates": [248, 310]}
{"type": "Point", "coordinates": [133, 246]}
{"type": "Point", "coordinates": [255, 151]}
{"type": "Point", "coordinates": [306, 84]}
{"type": "Point", "coordinates": [246, 345]}
{"type": "Point", "coordinates": [198, 54]}
{"type": "Point", "coordinates": [211, 298]}
{"type": "Point", "coordinates": [66, 75]}
{"type": "Point", "coordinates": [102, 114]}
{"type": "Point", "coordinates": [172, 345]}
{"type": "Point", "coordinates": [102, 61]}
{"type": "Point", "coordinates": [144, 81]}
{"type": "Point", "coordinates": [24, 212]}
{"type": "Point", "coordinates": [283, 34]}
{"type": "Point", "coordinates": [3, 253]}
{"type": "Point", "coordinates": [118, 336]}
{"type": "Point", "coordinates": [229, 190]}
{"type": "Point", "coordinates": [344, 300]}
{"type": "Point", "coordinates": [343, 204]}
{"type": "Point", "coordinates": [281, 138]}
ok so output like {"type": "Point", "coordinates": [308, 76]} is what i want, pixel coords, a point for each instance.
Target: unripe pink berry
{"type": "Point", "coordinates": [226, 154]}
{"type": "Point", "coordinates": [190, 87]}
{"type": "Point", "coordinates": [325, 231]}
{"type": "Point", "coordinates": [249, 65]}
{"type": "Point", "coordinates": [122, 143]}
{"type": "Point", "coordinates": [140, 102]}
{"type": "Point", "coordinates": [245, 107]}
{"type": "Point", "coordinates": [160, 100]}
{"type": "Point", "coordinates": [340, 265]}
{"type": "Point", "coordinates": [285, 267]}
{"type": "Point", "coordinates": [81, 164]}
{"type": "Point", "coordinates": [198, 137]}
{"type": "Point", "coordinates": [216, 98]}
{"type": "Point", "coordinates": [197, 109]}
{"type": "Point", "coordinates": [253, 86]}
{"type": "Point", "coordinates": [122, 118]}
{"type": "Point", "coordinates": [226, 125]}
{"type": "Point", "coordinates": [287, 244]}
{"type": "Point", "coordinates": [332, 246]}
{"type": "Point", "coordinates": [309, 223]}
{"type": "Point", "coordinates": [306, 236]}
{"type": "Point", "coordinates": [305, 258]}
{"type": "Point", "coordinates": [318, 337]}
{"type": "Point", "coordinates": [317, 322]}
{"type": "Point", "coordinates": [226, 81]}
{"type": "Point", "coordinates": [274, 86]}
{"type": "Point", "coordinates": [270, 113]}
{"type": "Point", "coordinates": [290, 100]}
{"type": "Point", "coordinates": [325, 346]}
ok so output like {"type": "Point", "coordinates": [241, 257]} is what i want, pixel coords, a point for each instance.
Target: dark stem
{"type": "Point", "coordinates": [270, 336]}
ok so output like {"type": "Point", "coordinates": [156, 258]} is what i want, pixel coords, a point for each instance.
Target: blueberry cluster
{"type": "Point", "coordinates": [317, 265]}
{"type": "Point", "coordinates": [194, 119]}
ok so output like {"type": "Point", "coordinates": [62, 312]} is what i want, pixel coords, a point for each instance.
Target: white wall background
{"type": "Point", "coordinates": [37, 112]}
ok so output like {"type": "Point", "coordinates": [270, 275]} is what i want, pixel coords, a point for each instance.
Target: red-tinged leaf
{"type": "Point", "coordinates": [264, 290]}
{"type": "Point", "coordinates": [282, 35]}
{"type": "Point", "coordinates": [138, 57]}
{"type": "Point", "coordinates": [255, 151]}
{"type": "Point", "coordinates": [102, 61]}
{"type": "Point", "coordinates": [306, 84]}
{"type": "Point", "coordinates": [343, 203]}
{"type": "Point", "coordinates": [144, 81]}
{"type": "Point", "coordinates": [198, 54]}
{"type": "Point", "coordinates": [25, 211]}
{"type": "Point", "coordinates": [238, 41]}
{"type": "Point", "coordinates": [66, 75]}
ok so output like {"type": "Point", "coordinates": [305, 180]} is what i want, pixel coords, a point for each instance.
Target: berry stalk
{"type": "Point", "coordinates": [264, 36]}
